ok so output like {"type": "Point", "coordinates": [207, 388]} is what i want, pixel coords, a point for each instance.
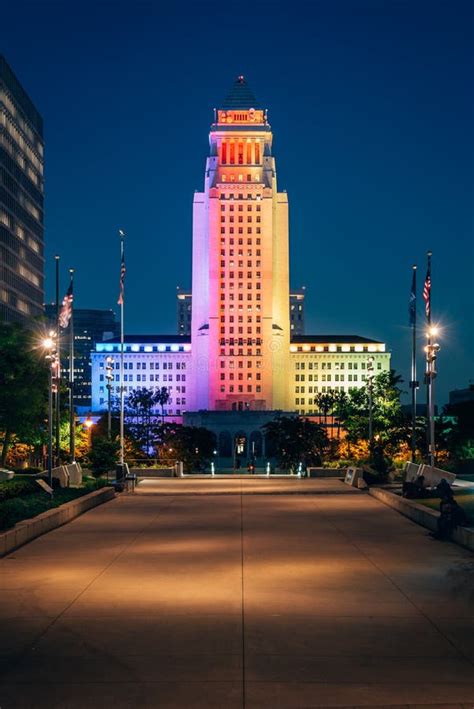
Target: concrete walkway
{"type": "Point", "coordinates": [237, 600]}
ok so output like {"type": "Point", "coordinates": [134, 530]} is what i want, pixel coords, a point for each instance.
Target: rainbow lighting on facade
{"type": "Point", "coordinates": [245, 352]}
{"type": "Point", "coordinates": [240, 320]}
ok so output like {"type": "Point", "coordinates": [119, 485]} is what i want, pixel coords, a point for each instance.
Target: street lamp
{"type": "Point", "coordinates": [370, 379]}
{"type": "Point", "coordinates": [109, 366]}
{"type": "Point", "coordinates": [88, 423]}
{"type": "Point", "coordinates": [49, 345]}
{"type": "Point", "coordinates": [431, 351]}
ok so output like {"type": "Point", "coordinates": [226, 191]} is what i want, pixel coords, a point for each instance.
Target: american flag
{"type": "Point", "coordinates": [427, 292]}
{"type": "Point", "coordinates": [66, 308]}
{"type": "Point", "coordinates": [122, 281]}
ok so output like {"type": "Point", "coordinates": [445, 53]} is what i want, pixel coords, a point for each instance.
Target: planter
{"type": "Point", "coordinates": [29, 529]}
{"type": "Point", "coordinates": [422, 515]}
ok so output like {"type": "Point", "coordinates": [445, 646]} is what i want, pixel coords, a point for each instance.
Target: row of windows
{"type": "Point", "coordinates": [240, 389]}
{"type": "Point", "coordinates": [240, 352]}
{"type": "Point", "coordinates": [240, 318]}
{"type": "Point", "coordinates": [240, 364]}
{"type": "Point", "coordinates": [143, 377]}
{"type": "Point", "coordinates": [240, 177]}
{"type": "Point", "coordinates": [327, 377]}
{"type": "Point", "coordinates": [240, 330]}
{"type": "Point", "coordinates": [231, 195]}
{"type": "Point", "coordinates": [240, 376]}
{"type": "Point", "coordinates": [337, 365]}
{"type": "Point", "coordinates": [240, 253]}
{"type": "Point", "coordinates": [234, 153]}
{"type": "Point", "coordinates": [240, 242]}
{"type": "Point", "coordinates": [240, 207]}
{"type": "Point", "coordinates": [240, 230]}
{"type": "Point", "coordinates": [240, 219]}
{"type": "Point", "coordinates": [144, 365]}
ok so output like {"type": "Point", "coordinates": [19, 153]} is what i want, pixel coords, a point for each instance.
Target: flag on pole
{"type": "Point", "coordinates": [66, 308]}
{"type": "Point", "coordinates": [412, 306]}
{"type": "Point", "coordinates": [427, 291]}
{"type": "Point", "coordinates": [122, 281]}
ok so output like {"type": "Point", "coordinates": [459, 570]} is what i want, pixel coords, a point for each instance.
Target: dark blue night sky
{"type": "Point", "coordinates": [371, 105]}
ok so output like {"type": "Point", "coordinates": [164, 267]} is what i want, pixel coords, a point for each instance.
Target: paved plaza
{"type": "Point", "coordinates": [196, 593]}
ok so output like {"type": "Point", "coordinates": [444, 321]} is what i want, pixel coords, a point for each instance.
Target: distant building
{"type": "Point", "coordinates": [184, 308]}
{"type": "Point", "coordinates": [90, 327]}
{"type": "Point", "coordinates": [184, 301]}
{"type": "Point", "coordinates": [460, 396]}
{"type": "Point", "coordinates": [297, 311]}
{"type": "Point", "coordinates": [150, 362]}
{"type": "Point", "coordinates": [21, 202]}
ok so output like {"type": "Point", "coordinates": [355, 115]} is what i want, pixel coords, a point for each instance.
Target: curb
{"type": "Point", "coordinates": [29, 529]}
{"type": "Point", "coordinates": [422, 515]}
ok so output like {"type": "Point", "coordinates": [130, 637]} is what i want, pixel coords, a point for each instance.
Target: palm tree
{"type": "Point", "coordinates": [340, 409]}
{"type": "Point", "coordinates": [325, 403]}
{"type": "Point", "coordinates": [162, 396]}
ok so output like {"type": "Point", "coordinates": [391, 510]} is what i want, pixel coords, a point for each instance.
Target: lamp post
{"type": "Point", "coordinates": [431, 351]}
{"type": "Point", "coordinates": [370, 379]}
{"type": "Point", "coordinates": [88, 423]}
{"type": "Point", "coordinates": [109, 366]}
{"type": "Point", "coordinates": [49, 345]}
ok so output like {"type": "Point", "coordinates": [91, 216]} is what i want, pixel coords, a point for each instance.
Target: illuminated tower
{"type": "Point", "coordinates": [240, 320]}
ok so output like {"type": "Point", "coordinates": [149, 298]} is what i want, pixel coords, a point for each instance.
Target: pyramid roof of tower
{"type": "Point", "coordinates": [240, 96]}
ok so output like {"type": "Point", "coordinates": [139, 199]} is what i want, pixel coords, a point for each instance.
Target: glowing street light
{"type": "Point", "coordinates": [49, 345]}
{"type": "Point", "coordinates": [431, 352]}
{"type": "Point", "coordinates": [109, 367]}
{"type": "Point", "coordinates": [370, 378]}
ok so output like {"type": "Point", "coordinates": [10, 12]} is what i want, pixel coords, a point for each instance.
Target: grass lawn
{"type": "Point", "coordinates": [464, 498]}
{"type": "Point", "coordinates": [25, 506]}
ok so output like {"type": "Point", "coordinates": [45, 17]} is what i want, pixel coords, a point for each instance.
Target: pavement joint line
{"type": "Point", "coordinates": [350, 540]}
{"type": "Point", "coordinates": [242, 589]}
{"type": "Point", "coordinates": [32, 646]}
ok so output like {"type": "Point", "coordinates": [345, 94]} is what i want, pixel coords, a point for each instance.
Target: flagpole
{"type": "Point", "coordinates": [413, 383]}
{"type": "Point", "coordinates": [122, 238]}
{"type": "Point", "coordinates": [58, 368]}
{"type": "Point", "coordinates": [429, 382]}
{"type": "Point", "coordinates": [72, 418]}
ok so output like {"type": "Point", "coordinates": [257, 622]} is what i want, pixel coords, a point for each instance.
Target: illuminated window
{"type": "Point", "coordinates": [224, 152]}
{"type": "Point", "coordinates": [257, 153]}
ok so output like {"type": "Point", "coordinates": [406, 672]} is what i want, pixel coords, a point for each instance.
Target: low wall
{"type": "Point", "coordinates": [422, 515]}
{"type": "Point", "coordinates": [326, 472]}
{"type": "Point", "coordinates": [29, 529]}
{"type": "Point", "coordinates": [152, 472]}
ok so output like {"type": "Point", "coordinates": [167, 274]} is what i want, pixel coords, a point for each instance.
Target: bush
{"type": "Point", "coordinates": [27, 471]}
{"type": "Point", "coordinates": [17, 488]}
{"type": "Point", "coordinates": [103, 455]}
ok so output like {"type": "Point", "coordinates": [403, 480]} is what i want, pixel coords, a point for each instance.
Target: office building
{"type": "Point", "coordinates": [21, 202]}
{"type": "Point", "coordinates": [90, 327]}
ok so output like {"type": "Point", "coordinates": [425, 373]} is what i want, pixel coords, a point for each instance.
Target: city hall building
{"type": "Point", "coordinates": [244, 359]}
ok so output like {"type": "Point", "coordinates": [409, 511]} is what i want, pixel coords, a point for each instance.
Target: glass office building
{"type": "Point", "coordinates": [21, 202]}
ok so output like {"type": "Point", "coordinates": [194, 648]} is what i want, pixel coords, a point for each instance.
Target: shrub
{"type": "Point", "coordinates": [17, 488]}
{"type": "Point", "coordinates": [27, 471]}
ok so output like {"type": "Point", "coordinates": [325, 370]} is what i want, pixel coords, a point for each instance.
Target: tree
{"type": "Point", "coordinates": [23, 387]}
{"type": "Point", "coordinates": [296, 441]}
{"type": "Point", "coordinates": [193, 445]}
{"type": "Point", "coordinates": [325, 403]}
{"type": "Point", "coordinates": [162, 398]}
{"type": "Point", "coordinates": [103, 455]}
{"type": "Point", "coordinates": [387, 414]}
{"type": "Point", "coordinates": [141, 418]}
{"type": "Point", "coordinates": [340, 409]}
